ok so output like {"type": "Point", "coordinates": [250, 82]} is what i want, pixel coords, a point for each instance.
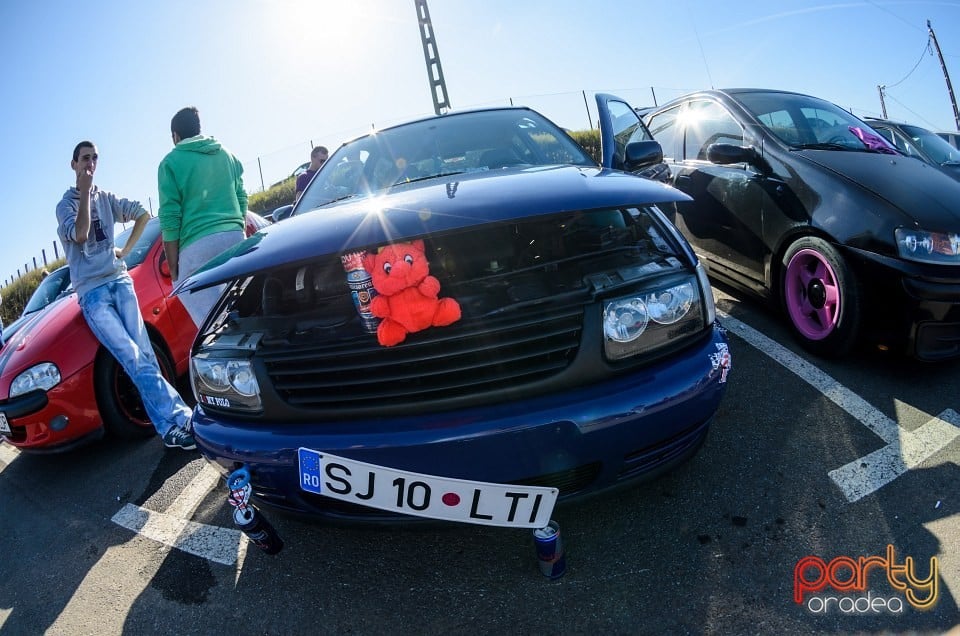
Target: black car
{"type": "Point", "coordinates": [797, 200]}
{"type": "Point", "coordinates": [921, 143]}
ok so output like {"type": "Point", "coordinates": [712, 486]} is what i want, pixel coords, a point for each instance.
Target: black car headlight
{"type": "Point", "coordinates": [939, 248]}
{"type": "Point", "coordinates": [43, 376]}
{"type": "Point", "coordinates": [652, 318]}
{"type": "Point", "coordinates": [228, 383]}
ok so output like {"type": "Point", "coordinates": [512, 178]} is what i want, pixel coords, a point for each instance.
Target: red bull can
{"type": "Point", "coordinates": [553, 563]}
{"type": "Point", "coordinates": [361, 288]}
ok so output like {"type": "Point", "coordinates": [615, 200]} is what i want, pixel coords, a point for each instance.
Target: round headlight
{"type": "Point", "coordinates": [625, 319]}
{"type": "Point", "coordinates": [670, 305]}
{"type": "Point", "coordinates": [242, 378]}
{"type": "Point", "coordinates": [43, 376]}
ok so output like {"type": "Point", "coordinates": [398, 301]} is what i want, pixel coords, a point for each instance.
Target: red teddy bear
{"type": "Point", "coordinates": [406, 299]}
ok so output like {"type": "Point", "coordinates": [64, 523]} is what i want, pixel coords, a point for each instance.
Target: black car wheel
{"type": "Point", "coordinates": [119, 401]}
{"type": "Point", "coordinates": [821, 297]}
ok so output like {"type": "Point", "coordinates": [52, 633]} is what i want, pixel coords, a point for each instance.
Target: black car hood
{"type": "Point", "coordinates": [923, 193]}
{"type": "Point", "coordinates": [434, 206]}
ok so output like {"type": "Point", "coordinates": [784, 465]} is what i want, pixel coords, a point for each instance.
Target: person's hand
{"type": "Point", "coordinates": [84, 179]}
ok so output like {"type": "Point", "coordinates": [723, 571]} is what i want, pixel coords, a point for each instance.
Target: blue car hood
{"type": "Point", "coordinates": [428, 207]}
{"type": "Point", "coordinates": [923, 193]}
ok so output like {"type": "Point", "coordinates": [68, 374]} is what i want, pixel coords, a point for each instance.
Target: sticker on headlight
{"type": "Point", "coordinates": [215, 401]}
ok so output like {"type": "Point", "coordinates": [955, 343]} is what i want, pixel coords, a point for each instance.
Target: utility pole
{"type": "Point", "coordinates": [438, 87]}
{"type": "Point", "coordinates": [946, 76]}
{"type": "Point", "coordinates": [883, 104]}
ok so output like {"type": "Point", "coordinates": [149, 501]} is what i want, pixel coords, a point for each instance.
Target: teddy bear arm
{"type": "Point", "coordinates": [429, 287]}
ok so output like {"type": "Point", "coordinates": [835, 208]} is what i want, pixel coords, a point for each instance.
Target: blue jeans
{"type": "Point", "coordinates": [113, 313]}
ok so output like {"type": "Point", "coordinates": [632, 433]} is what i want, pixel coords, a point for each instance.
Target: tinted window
{"type": "Point", "coordinates": [663, 127]}
{"type": "Point", "coordinates": [627, 128]}
{"type": "Point", "coordinates": [708, 123]}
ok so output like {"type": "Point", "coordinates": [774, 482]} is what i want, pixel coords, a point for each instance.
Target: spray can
{"type": "Point", "coordinates": [361, 288]}
{"type": "Point", "coordinates": [247, 518]}
{"type": "Point", "coordinates": [550, 555]}
{"type": "Point", "coordinates": [252, 523]}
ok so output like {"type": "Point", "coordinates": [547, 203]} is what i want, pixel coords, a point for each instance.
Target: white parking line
{"type": "Point", "coordinates": [8, 453]}
{"type": "Point", "coordinates": [865, 475]}
{"type": "Point", "coordinates": [903, 450]}
{"type": "Point", "coordinates": [173, 528]}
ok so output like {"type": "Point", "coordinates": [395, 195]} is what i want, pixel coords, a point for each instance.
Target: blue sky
{"type": "Point", "coordinates": [270, 77]}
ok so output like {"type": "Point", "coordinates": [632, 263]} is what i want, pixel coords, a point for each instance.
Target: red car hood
{"type": "Point", "coordinates": [56, 334]}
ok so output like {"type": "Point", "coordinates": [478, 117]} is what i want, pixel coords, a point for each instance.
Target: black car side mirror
{"type": "Point", "coordinates": [639, 154]}
{"type": "Point", "coordinates": [725, 154]}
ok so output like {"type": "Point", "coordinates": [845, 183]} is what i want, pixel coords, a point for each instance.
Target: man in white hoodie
{"type": "Point", "coordinates": [86, 216]}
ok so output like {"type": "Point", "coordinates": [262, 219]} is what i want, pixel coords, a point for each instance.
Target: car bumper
{"type": "Point", "coordinates": [56, 420]}
{"type": "Point", "coordinates": [615, 432]}
{"type": "Point", "coordinates": [913, 307]}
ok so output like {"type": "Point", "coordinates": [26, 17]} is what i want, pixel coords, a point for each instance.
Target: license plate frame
{"type": "Point", "coordinates": [5, 425]}
{"type": "Point", "coordinates": [423, 495]}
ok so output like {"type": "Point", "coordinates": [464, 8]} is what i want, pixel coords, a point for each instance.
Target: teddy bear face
{"type": "Point", "coordinates": [397, 266]}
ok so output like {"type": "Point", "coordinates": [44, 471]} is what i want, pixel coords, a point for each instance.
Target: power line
{"type": "Point", "coordinates": [926, 49]}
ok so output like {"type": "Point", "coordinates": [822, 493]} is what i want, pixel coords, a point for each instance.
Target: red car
{"type": "Point", "coordinates": [60, 388]}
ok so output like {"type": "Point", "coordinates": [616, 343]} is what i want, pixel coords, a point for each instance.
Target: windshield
{"type": "Point", "coordinates": [448, 144]}
{"type": "Point", "coordinates": [48, 290]}
{"type": "Point", "coordinates": [801, 121]}
{"type": "Point", "coordinates": [931, 144]}
{"type": "Point", "coordinates": [139, 252]}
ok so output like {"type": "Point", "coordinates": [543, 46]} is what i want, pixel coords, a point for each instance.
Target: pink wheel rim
{"type": "Point", "coordinates": [812, 294]}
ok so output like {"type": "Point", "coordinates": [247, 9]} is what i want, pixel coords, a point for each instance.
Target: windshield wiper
{"type": "Point", "coordinates": [825, 146]}
{"type": "Point", "coordinates": [429, 176]}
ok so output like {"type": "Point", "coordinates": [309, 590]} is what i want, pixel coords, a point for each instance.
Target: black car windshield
{"type": "Point", "coordinates": [801, 121]}
{"type": "Point", "coordinates": [48, 290]}
{"type": "Point", "coordinates": [449, 144]}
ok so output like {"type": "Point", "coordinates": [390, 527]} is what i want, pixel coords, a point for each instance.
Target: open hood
{"type": "Point", "coordinates": [429, 207]}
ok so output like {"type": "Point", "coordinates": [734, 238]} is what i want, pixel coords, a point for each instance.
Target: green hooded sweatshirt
{"type": "Point", "coordinates": [201, 191]}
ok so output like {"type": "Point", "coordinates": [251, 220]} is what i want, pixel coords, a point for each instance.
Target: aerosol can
{"type": "Point", "coordinates": [247, 518]}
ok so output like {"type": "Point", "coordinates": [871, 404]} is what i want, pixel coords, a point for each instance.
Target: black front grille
{"type": "Point", "coordinates": [473, 356]}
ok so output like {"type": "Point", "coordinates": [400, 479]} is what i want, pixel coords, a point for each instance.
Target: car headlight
{"type": "Point", "coordinates": [650, 319]}
{"type": "Point", "coordinates": [225, 383]}
{"type": "Point", "coordinates": [940, 248]}
{"type": "Point", "coordinates": [43, 376]}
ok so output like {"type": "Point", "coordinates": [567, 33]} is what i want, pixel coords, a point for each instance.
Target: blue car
{"type": "Point", "coordinates": [466, 318]}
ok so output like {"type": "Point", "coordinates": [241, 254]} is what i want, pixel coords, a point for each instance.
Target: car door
{"type": "Point", "coordinates": [724, 222]}
{"type": "Point", "coordinates": [626, 143]}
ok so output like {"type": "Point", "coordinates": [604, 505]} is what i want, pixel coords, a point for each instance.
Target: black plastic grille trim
{"type": "Point", "coordinates": [474, 356]}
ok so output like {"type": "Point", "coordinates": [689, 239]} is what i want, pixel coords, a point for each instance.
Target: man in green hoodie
{"type": "Point", "coordinates": [202, 205]}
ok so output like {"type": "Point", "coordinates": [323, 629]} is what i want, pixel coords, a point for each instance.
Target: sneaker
{"type": "Point", "coordinates": [178, 437]}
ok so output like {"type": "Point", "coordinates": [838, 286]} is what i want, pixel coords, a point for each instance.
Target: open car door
{"type": "Point", "coordinates": [626, 143]}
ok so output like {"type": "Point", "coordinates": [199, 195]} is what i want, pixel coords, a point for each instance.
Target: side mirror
{"type": "Point", "coordinates": [725, 154]}
{"type": "Point", "coordinates": [282, 212]}
{"type": "Point", "coordinates": [640, 154]}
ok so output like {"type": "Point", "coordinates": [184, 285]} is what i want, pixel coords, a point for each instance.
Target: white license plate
{"type": "Point", "coordinates": [425, 495]}
{"type": "Point", "coordinates": [4, 424]}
